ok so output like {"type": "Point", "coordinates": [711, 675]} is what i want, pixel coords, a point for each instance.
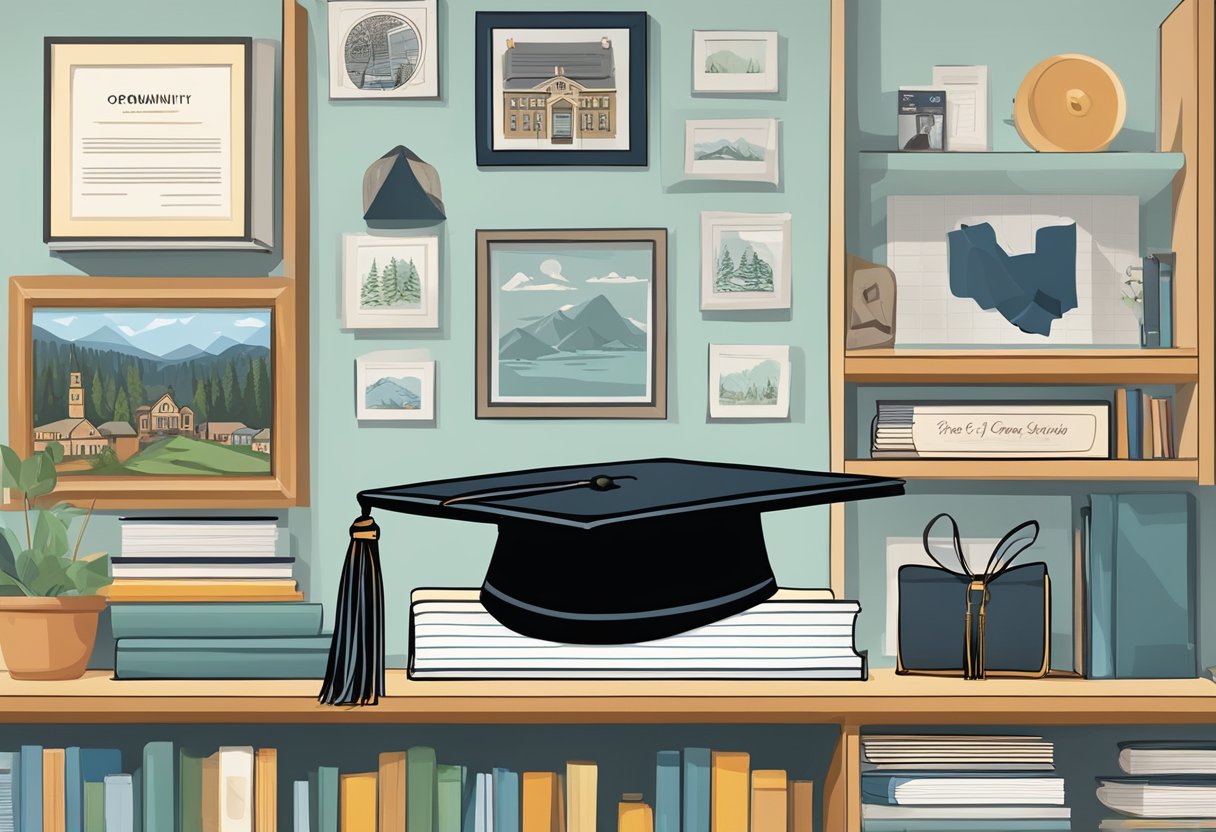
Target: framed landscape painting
{"type": "Point", "coordinates": [390, 282]}
{"type": "Point", "coordinates": [734, 62]}
{"type": "Point", "coordinates": [745, 261]}
{"type": "Point", "coordinates": [572, 323]}
{"type": "Point", "coordinates": [734, 149]}
{"type": "Point", "coordinates": [394, 390]}
{"type": "Point", "coordinates": [173, 394]}
{"type": "Point", "coordinates": [564, 88]}
{"type": "Point", "coordinates": [749, 382]}
{"type": "Point", "coordinates": [383, 49]}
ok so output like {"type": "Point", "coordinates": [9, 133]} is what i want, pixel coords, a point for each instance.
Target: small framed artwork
{"type": "Point", "coordinates": [383, 49]}
{"type": "Point", "coordinates": [745, 261]}
{"type": "Point", "coordinates": [734, 62]}
{"type": "Point", "coordinates": [388, 390]}
{"type": "Point", "coordinates": [572, 323]}
{"type": "Point", "coordinates": [749, 382]}
{"type": "Point", "coordinates": [741, 149]}
{"type": "Point", "coordinates": [564, 88]}
{"type": "Point", "coordinates": [390, 282]}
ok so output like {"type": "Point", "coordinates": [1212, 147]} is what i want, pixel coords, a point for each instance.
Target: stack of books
{"type": "Point", "coordinates": [797, 634]}
{"type": "Point", "coordinates": [969, 783]}
{"type": "Point", "coordinates": [1144, 425]}
{"type": "Point", "coordinates": [201, 559]}
{"type": "Point", "coordinates": [696, 790]}
{"type": "Point", "coordinates": [1168, 785]}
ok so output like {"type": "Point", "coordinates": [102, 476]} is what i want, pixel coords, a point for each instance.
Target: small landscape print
{"type": "Point", "coordinates": [390, 282]}
{"type": "Point", "coordinates": [161, 392]}
{"type": "Point", "coordinates": [394, 393]}
{"type": "Point", "coordinates": [749, 382]}
{"type": "Point", "coordinates": [745, 261]}
{"type": "Point", "coordinates": [736, 57]}
{"type": "Point", "coordinates": [394, 284]}
{"type": "Point", "coordinates": [745, 146]}
{"type": "Point", "coordinates": [382, 52]}
{"type": "Point", "coordinates": [741, 149]}
{"type": "Point", "coordinates": [754, 382]}
{"type": "Point", "coordinates": [394, 389]}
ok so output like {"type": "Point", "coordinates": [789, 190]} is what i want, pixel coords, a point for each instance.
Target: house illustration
{"type": "Point", "coordinates": [221, 432]}
{"type": "Point", "coordinates": [559, 91]}
{"type": "Point", "coordinates": [164, 418]}
{"type": "Point", "coordinates": [244, 436]}
{"type": "Point", "coordinates": [261, 442]}
{"type": "Point", "coordinates": [79, 436]}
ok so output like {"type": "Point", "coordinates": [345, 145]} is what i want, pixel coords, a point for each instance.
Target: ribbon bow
{"type": "Point", "coordinates": [1017, 540]}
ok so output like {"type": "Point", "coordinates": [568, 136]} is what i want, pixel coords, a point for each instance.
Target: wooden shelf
{"type": "Point", "coordinates": [1145, 175]}
{"type": "Point", "coordinates": [885, 698]}
{"type": "Point", "coordinates": [1027, 469]}
{"type": "Point", "coordinates": [1064, 366]}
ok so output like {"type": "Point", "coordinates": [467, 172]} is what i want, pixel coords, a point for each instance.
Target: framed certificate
{"type": "Point", "coordinates": [159, 143]}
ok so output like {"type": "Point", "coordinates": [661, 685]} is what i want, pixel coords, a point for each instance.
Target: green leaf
{"type": "Point", "coordinates": [37, 476]}
{"type": "Point", "coordinates": [27, 567]}
{"type": "Point", "coordinates": [52, 578]}
{"type": "Point", "coordinates": [50, 535]}
{"type": "Point", "coordinates": [54, 450]}
{"type": "Point", "coordinates": [88, 576]}
{"type": "Point", "coordinates": [11, 467]}
{"type": "Point", "coordinates": [8, 562]}
{"type": "Point", "coordinates": [68, 512]}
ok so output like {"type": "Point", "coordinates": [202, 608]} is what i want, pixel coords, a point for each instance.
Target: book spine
{"type": "Point", "coordinates": [1146, 423]}
{"type": "Point", "coordinates": [210, 788]}
{"type": "Point", "coordinates": [770, 799]}
{"type": "Point", "coordinates": [73, 790]}
{"type": "Point", "coordinates": [1101, 564]}
{"type": "Point", "coordinates": [1122, 446]}
{"type": "Point", "coordinates": [1152, 303]}
{"type": "Point", "coordinates": [447, 792]}
{"type": "Point", "coordinates": [31, 788]}
{"type": "Point", "coordinates": [190, 792]}
{"type": "Point", "coordinates": [266, 781]}
{"type": "Point", "coordinates": [802, 806]}
{"type": "Point", "coordinates": [489, 802]}
{"type": "Point", "coordinates": [1135, 435]}
{"type": "Point", "coordinates": [327, 799]}
{"type": "Point", "coordinates": [236, 789]}
{"type": "Point", "coordinates": [120, 803]}
{"type": "Point", "coordinates": [479, 803]}
{"type": "Point", "coordinates": [582, 783]}
{"type": "Point", "coordinates": [299, 807]}
{"type": "Point", "coordinates": [634, 816]}
{"type": "Point", "coordinates": [358, 802]}
{"type": "Point", "coordinates": [468, 799]}
{"type": "Point", "coordinates": [697, 789]}
{"type": "Point", "coordinates": [667, 792]}
{"type": "Point", "coordinates": [159, 786]}
{"type": "Point", "coordinates": [95, 807]}
{"type": "Point", "coordinates": [506, 800]}
{"type": "Point", "coordinates": [218, 663]}
{"type": "Point", "coordinates": [1166, 271]}
{"type": "Point", "coordinates": [53, 819]}
{"type": "Point", "coordinates": [729, 790]}
{"type": "Point", "coordinates": [1158, 429]}
{"type": "Point", "coordinates": [391, 791]}
{"type": "Point", "coordinates": [539, 803]}
{"type": "Point", "coordinates": [420, 789]}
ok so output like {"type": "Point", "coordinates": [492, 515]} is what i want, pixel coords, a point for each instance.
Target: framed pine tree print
{"type": "Point", "coordinates": [745, 261]}
{"type": "Point", "coordinates": [390, 282]}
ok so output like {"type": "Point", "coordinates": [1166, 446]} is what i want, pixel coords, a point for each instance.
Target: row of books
{"type": "Point", "coordinates": [1164, 786]}
{"type": "Point", "coordinates": [1144, 425]}
{"type": "Point", "coordinates": [969, 783]}
{"type": "Point", "coordinates": [797, 634]}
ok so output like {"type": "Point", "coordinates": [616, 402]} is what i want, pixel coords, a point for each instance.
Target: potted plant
{"type": "Point", "coordinates": [48, 594]}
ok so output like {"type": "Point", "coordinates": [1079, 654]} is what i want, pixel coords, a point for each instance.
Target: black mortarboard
{"type": "Point", "coordinates": [595, 554]}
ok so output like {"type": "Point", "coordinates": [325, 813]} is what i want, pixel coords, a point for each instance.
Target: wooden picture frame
{"type": "Point", "coordinates": [596, 113]}
{"type": "Point", "coordinates": [285, 484]}
{"type": "Point", "coordinates": [619, 277]}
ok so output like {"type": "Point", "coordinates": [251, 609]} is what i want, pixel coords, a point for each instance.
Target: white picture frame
{"type": "Point", "coordinates": [761, 240]}
{"type": "Point", "coordinates": [394, 390]}
{"type": "Point", "coordinates": [734, 61]}
{"type": "Point", "coordinates": [412, 301]}
{"type": "Point", "coordinates": [411, 32]}
{"type": "Point", "coordinates": [733, 149]}
{"type": "Point", "coordinates": [749, 381]}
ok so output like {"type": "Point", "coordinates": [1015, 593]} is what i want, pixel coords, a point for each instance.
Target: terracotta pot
{"type": "Point", "coordinates": [48, 638]}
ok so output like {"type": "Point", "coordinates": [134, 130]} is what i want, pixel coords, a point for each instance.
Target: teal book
{"type": "Point", "coordinates": [1101, 587]}
{"type": "Point", "coordinates": [120, 804]}
{"type": "Point", "coordinates": [696, 789]}
{"type": "Point", "coordinates": [159, 786]}
{"type": "Point", "coordinates": [221, 658]}
{"type": "Point", "coordinates": [299, 807]}
{"type": "Point", "coordinates": [448, 788]}
{"type": "Point", "coordinates": [1166, 262]}
{"type": "Point", "coordinates": [667, 792]}
{"type": "Point", "coordinates": [420, 789]}
{"type": "Point", "coordinates": [30, 790]}
{"type": "Point", "coordinates": [506, 800]}
{"type": "Point", "coordinates": [137, 789]}
{"type": "Point", "coordinates": [190, 791]}
{"type": "Point", "coordinates": [1154, 582]}
{"type": "Point", "coordinates": [314, 808]}
{"type": "Point", "coordinates": [84, 765]}
{"type": "Point", "coordinates": [17, 791]}
{"type": "Point", "coordinates": [327, 799]}
{"type": "Point", "coordinates": [468, 800]}
{"type": "Point", "coordinates": [216, 620]}
{"type": "Point", "coordinates": [94, 807]}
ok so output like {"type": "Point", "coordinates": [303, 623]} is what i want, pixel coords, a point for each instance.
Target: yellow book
{"type": "Point", "coordinates": [54, 814]}
{"type": "Point", "coordinates": [173, 591]}
{"type": "Point", "coordinates": [582, 782]}
{"type": "Point", "coordinates": [266, 799]}
{"type": "Point", "coordinates": [728, 791]}
{"type": "Point", "coordinates": [1122, 447]}
{"type": "Point", "coordinates": [769, 800]}
{"type": "Point", "coordinates": [634, 816]}
{"type": "Point", "coordinates": [802, 806]}
{"type": "Point", "coordinates": [357, 799]}
{"type": "Point", "coordinates": [211, 793]}
{"type": "Point", "coordinates": [559, 809]}
{"type": "Point", "coordinates": [392, 791]}
{"type": "Point", "coordinates": [540, 801]}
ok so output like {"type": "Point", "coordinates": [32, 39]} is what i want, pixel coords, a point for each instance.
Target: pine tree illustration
{"type": "Point", "coordinates": [389, 290]}
{"type": "Point", "coordinates": [726, 270]}
{"type": "Point", "coordinates": [370, 294]}
{"type": "Point", "coordinates": [411, 283]}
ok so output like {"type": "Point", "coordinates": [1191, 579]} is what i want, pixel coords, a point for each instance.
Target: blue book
{"type": "Point", "coordinates": [1154, 587]}
{"type": "Point", "coordinates": [1100, 564]}
{"type": "Point", "coordinates": [1151, 330]}
{"type": "Point", "coordinates": [327, 799]}
{"type": "Point", "coordinates": [159, 786]}
{"type": "Point", "coordinates": [667, 792]}
{"type": "Point", "coordinates": [299, 805]}
{"type": "Point", "coordinates": [85, 765]}
{"type": "Point", "coordinates": [1166, 266]}
{"type": "Point", "coordinates": [697, 774]}
{"type": "Point", "coordinates": [506, 800]}
{"type": "Point", "coordinates": [468, 800]}
{"type": "Point", "coordinates": [120, 803]}
{"type": "Point", "coordinates": [216, 620]}
{"type": "Point", "coordinates": [30, 791]}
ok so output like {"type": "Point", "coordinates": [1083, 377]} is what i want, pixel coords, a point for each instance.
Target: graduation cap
{"type": "Point", "coordinates": [594, 554]}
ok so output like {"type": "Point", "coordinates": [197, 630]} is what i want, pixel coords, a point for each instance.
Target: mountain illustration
{"type": "Point", "coordinates": [518, 345]}
{"type": "Point", "coordinates": [108, 340]}
{"type": "Point", "coordinates": [726, 60]}
{"type": "Point", "coordinates": [221, 343]}
{"type": "Point", "coordinates": [736, 150]}
{"type": "Point", "coordinates": [394, 394]}
{"type": "Point", "coordinates": [593, 322]}
{"type": "Point", "coordinates": [184, 353]}
{"type": "Point", "coordinates": [755, 385]}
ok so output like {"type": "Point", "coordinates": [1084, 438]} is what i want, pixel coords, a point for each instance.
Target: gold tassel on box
{"type": "Point", "coordinates": [355, 673]}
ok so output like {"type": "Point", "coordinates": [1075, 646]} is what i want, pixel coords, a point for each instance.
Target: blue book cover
{"type": "Point", "coordinates": [30, 792]}
{"type": "Point", "coordinates": [1166, 268]}
{"type": "Point", "coordinates": [159, 786]}
{"type": "Point", "coordinates": [696, 789]}
{"type": "Point", "coordinates": [1151, 331]}
{"type": "Point", "coordinates": [120, 803]}
{"type": "Point", "coordinates": [1135, 423]}
{"type": "Point", "coordinates": [1101, 589]}
{"type": "Point", "coordinates": [1154, 572]}
{"type": "Point", "coordinates": [327, 799]}
{"type": "Point", "coordinates": [299, 805]}
{"type": "Point", "coordinates": [667, 792]}
{"type": "Point", "coordinates": [506, 800]}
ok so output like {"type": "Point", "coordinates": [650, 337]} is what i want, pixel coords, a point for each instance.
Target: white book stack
{"type": "Point", "coordinates": [1168, 785]}
{"type": "Point", "coordinates": [199, 537]}
{"type": "Point", "coordinates": [797, 634]}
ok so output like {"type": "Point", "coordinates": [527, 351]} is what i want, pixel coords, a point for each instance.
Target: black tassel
{"type": "Point", "coordinates": [355, 673]}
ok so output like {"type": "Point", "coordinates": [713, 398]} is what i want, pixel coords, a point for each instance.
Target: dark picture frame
{"type": "Point", "coordinates": [564, 124]}
{"type": "Point", "coordinates": [552, 347]}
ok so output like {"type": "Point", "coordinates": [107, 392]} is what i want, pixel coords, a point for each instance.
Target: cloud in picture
{"type": "Point", "coordinates": [613, 277]}
{"type": "Point", "coordinates": [553, 269]}
{"type": "Point", "coordinates": [520, 282]}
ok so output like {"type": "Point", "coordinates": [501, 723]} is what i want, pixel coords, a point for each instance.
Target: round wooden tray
{"type": "Point", "coordinates": [1070, 103]}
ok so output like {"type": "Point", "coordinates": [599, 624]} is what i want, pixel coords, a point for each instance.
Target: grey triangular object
{"type": "Point", "coordinates": [400, 186]}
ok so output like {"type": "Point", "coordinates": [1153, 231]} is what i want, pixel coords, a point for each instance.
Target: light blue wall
{"type": "Point", "coordinates": [348, 135]}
